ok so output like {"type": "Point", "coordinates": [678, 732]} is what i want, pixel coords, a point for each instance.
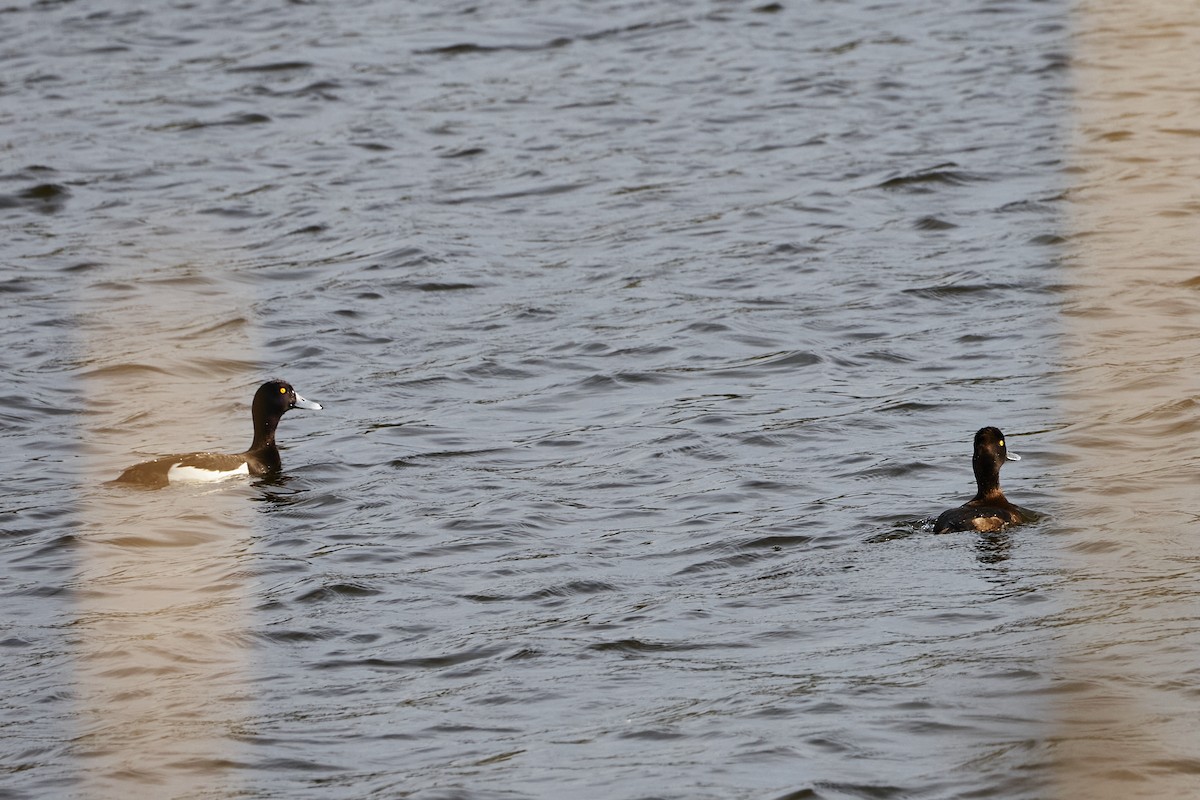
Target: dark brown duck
{"type": "Point", "coordinates": [272, 400]}
{"type": "Point", "coordinates": [989, 509]}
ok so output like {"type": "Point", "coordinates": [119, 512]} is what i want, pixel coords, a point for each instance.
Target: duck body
{"type": "Point", "coordinates": [989, 509]}
{"type": "Point", "coordinates": [272, 400]}
{"type": "Point", "coordinates": [979, 516]}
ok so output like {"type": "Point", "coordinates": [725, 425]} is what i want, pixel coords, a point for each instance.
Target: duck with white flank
{"type": "Point", "coordinates": [272, 400]}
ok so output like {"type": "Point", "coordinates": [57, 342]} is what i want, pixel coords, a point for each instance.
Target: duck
{"type": "Point", "coordinates": [272, 400]}
{"type": "Point", "coordinates": [989, 510]}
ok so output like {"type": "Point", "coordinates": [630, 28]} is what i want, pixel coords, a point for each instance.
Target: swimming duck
{"type": "Point", "coordinates": [989, 510]}
{"type": "Point", "coordinates": [272, 400]}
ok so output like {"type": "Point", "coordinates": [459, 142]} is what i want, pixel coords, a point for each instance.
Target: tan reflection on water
{"type": "Point", "coordinates": [162, 686]}
{"type": "Point", "coordinates": [1132, 318]}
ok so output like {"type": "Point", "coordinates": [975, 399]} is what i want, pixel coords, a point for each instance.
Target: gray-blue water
{"type": "Point", "coordinates": [648, 335]}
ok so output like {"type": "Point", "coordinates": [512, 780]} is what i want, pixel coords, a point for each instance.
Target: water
{"type": "Point", "coordinates": [648, 335]}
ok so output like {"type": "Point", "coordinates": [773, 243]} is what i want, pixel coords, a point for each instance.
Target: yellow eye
{"type": "Point", "coordinates": [282, 390]}
{"type": "Point", "coordinates": [1002, 443]}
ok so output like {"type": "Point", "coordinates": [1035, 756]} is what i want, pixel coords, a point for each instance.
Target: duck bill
{"type": "Point", "coordinates": [307, 404]}
{"type": "Point", "coordinates": [1008, 456]}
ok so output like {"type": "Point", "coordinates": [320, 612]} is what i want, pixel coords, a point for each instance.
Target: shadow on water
{"type": "Point", "coordinates": [995, 547]}
{"type": "Point", "coordinates": [160, 622]}
{"type": "Point", "coordinates": [1130, 382]}
{"type": "Point", "coordinates": [161, 587]}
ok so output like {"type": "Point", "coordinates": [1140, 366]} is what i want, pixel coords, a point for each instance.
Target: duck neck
{"type": "Point", "coordinates": [987, 480]}
{"type": "Point", "coordinates": [264, 433]}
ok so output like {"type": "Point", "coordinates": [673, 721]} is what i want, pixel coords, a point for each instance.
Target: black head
{"type": "Point", "coordinates": [272, 400]}
{"type": "Point", "coordinates": [990, 453]}
{"type": "Point", "coordinates": [276, 397]}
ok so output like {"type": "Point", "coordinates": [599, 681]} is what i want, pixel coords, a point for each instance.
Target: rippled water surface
{"type": "Point", "coordinates": [649, 337]}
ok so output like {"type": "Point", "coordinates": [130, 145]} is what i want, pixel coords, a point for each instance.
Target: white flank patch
{"type": "Point", "coordinates": [179, 474]}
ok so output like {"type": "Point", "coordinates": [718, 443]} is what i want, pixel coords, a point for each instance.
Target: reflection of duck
{"type": "Point", "coordinates": [989, 510]}
{"type": "Point", "coordinates": [272, 400]}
